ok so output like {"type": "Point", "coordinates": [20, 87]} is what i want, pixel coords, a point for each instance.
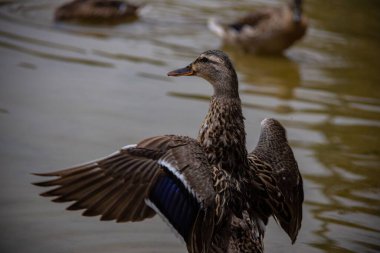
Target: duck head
{"type": "Point", "coordinates": [215, 67]}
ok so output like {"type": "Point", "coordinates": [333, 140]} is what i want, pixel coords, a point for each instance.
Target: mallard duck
{"type": "Point", "coordinates": [215, 195]}
{"type": "Point", "coordinates": [96, 11]}
{"type": "Point", "coordinates": [269, 30]}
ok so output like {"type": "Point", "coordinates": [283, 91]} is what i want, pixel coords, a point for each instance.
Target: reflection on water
{"type": "Point", "coordinates": [71, 93]}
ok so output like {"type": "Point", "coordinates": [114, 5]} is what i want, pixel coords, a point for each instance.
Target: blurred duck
{"type": "Point", "coordinates": [215, 195]}
{"type": "Point", "coordinates": [269, 30]}
{"type": "Point", "coordinates": [97, 11]}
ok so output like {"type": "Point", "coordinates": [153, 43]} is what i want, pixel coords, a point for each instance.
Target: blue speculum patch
{"type": "Point", "coordinates": [175, 202]}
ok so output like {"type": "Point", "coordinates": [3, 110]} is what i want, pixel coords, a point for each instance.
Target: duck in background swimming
{"type": "Point", "coordinates": [97, 11]}
{"type": "Point", "coordinates": [269, 30]}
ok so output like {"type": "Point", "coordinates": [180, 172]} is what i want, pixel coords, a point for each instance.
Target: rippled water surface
{"type": "Point", "coordinates": [71, 93]}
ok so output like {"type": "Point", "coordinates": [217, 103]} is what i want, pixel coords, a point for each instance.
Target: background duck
{"type": "Point", "coordinates": [269, 30]}
{"type": "Point", "coordinates": [97, 11]}
{"type": "Point", "coordinates": [208, 189]}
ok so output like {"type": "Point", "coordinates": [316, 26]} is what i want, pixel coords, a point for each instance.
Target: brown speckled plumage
{"type": "Point", "coordinates": [222, 134]}
{"type": "Point", "coordinates": [246, 235]}
{"type": "Point", "coordinates": [215, 195]}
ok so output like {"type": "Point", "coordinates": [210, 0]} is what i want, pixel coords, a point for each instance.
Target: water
{"type": "Point", "coordinates": [70, 93]}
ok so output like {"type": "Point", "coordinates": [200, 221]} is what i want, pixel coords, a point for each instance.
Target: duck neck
{"type": "Point", "coordinates": [222, 133]}
{"type": "Point", "coordinates": [225, 85]}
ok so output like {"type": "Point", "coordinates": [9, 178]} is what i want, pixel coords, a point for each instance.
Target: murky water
{"type": "Point", "coordinates": [71, 93]}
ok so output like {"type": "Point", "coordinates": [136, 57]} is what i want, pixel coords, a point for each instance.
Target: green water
{"type": "Point", "coordinates": [70, 94]}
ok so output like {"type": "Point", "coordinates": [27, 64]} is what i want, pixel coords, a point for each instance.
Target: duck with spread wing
{"type": "Point", "coordinates": [216, 195]}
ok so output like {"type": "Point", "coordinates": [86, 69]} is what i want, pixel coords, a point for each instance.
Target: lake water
{"type": "Point", "coordinates": [71, 93]}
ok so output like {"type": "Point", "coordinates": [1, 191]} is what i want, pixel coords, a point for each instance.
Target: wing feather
{"type": "Point", "coordinates": [171, 172]}
{"type": "Point", "coordinates": [275, 165]}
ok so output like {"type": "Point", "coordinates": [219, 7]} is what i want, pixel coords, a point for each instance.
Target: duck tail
{"type": "Point", "coordinates": [216, 27]}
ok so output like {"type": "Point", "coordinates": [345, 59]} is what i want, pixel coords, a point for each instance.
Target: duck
{"type": "Point", "coordinates": [269, 30]}
{"type": "Point", "coordinates": [215, 195]}
{"type": "Point", "coordinates": [96, 11]}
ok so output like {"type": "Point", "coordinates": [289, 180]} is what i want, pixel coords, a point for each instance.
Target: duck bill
{"type": "Point", "coordinates": [186, 71]}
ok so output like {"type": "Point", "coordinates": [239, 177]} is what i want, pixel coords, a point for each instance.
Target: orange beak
{"type": "Point", "coordinates": [186, 71]}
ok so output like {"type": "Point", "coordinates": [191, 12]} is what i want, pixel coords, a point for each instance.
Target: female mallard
{"type": "Point", "coordinates": [265, 31]}
{"type": "Point", "coordinates": [214, 194]}
{"type": "Point", "coordinates": [96, 11]}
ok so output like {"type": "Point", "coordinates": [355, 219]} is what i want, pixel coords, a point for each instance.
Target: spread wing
{"type": "Point", "coordinates": [168, 175]}
{"type": "Point", "coordinates": [273, 162]}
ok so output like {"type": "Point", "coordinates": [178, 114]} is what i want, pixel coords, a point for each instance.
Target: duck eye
{"type": "Point", "coordinates": [203, 59]}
